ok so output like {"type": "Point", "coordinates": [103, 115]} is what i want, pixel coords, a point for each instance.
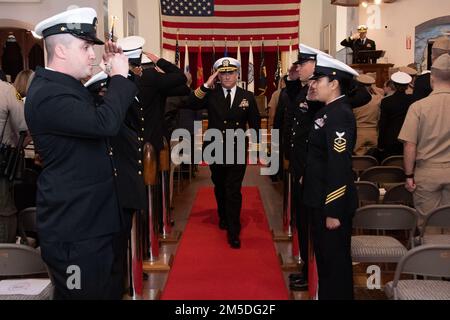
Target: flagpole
{"type": "Point", "coordinates": [251, 69]}
{"type": "Point", "coordinates": [225, 54]}
{"type": "Point", "coordinates": [239, 58]}
{"type": "Point", "coordinates": [214, 54]}
{"type": "Point", "coordinates": [290, 54]}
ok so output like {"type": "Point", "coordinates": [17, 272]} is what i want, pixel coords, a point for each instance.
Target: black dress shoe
{"type": "Point", "coordinates": [234, 242]}
{"type": "Point", "coordinates": [223, 225]}
{"type": "Point", "coordinates": [296, 276]}
{"type": "Point", "coordinates": [298, 285]}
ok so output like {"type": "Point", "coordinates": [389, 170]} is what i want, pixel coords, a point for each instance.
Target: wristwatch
{"type": "Point", "coordinates": [409, 176]}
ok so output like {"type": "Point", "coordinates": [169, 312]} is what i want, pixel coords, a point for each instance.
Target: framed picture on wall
{"type": "Point", "coordinates": [326, 39]}
{"type": "Point", "coordinates": [131, 24]}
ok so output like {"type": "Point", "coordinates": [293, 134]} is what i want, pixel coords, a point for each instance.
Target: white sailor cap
{"type": "Point", "coordinates": [307, 53]}
{"type": "Point", "coordinates": [401, 78]}
{"type": "Point", "coordinates": [227, 64]}
{"type": "Point", "coordinates": [362, 28]}
{"type": "Point", "coordinates": [97, 82]}
{"type": "Point", "coordinates": [335, 69]}
{"type": "Point", "coordinates": [80, 23]}
{"type": "Point", "coordinates": [132, 48]}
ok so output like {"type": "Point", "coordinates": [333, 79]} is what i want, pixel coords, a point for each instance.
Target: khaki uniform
{"type": "Point", "coordinates": [427, 125]}
{"type": "Point", "coordinates": [367, 125]}
{"type": "Point", "coordinates": [11, 113]}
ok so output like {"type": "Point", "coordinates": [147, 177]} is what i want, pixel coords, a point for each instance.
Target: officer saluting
{"type": "Point", "coordinates": [229, 107]}
{"type": "Point", "coordinates": [329, 188]}
{"type": "Point", "coordinates": [358, 42]}
{"type": "Point", "coordinates": [126, 147]}
{"type": "Point", "coordinates": [78, 212]}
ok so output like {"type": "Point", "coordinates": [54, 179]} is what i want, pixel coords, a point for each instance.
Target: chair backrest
{"type": "Point", "coordinates": [439, 217]}
{"type": "Point", "coordinates": [399, 195]}
{"type": "Point", "coordinates": [361, 163]}
{"type": "Point", "coordinates": [368, 193]}
{"type": "Point", "coordinates": [393, 161]}
{"type": "Point", "coordinates": [385, 217]}
{"type": "Point", "coordinates": [20, 260]}
{"type": "Point", "coordinates": [426, 260]}
{"type": "Point", "coordinates": [381, 174]}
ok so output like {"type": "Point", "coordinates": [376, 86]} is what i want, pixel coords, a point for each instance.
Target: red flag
{"type": "Point", "coordinates": [199, 67]}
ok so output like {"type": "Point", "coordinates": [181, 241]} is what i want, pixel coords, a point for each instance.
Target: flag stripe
{"type": "Point", "coordinates": [261, 13]}
{"type": "Point", "coordinates": [271, 48]}
{"type": "Point", "coordinates": [236, 25]}
{"type": "Point", "coordinates": [252, 2]}
{"type": "Point", "coordinates": [230, 37]}
{"type": "Point", "coordinates": [238, 19]}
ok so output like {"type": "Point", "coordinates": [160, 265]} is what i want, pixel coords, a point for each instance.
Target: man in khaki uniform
{"type": "Point", "coordinates": [367, 118]}
{"type": "Point", "coordinates": [426, 135]}
{"type": "Point", "coordinates": [422, 85]}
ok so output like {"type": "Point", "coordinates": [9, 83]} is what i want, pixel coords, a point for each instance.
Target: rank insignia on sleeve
{"type": "Point", "coordinates": [199, 93]}
{"type": "Point", "coordinates": [340, 144]}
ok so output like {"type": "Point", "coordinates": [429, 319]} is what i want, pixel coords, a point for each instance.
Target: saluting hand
{"type": "Point", "coordinates": [355, 36]}
{"type": "Point", "coordinates": [332, 223]}
{"type": "Point", "coordinates": [211, 80]}
{"type": "Point", "coordinates": [119, 65]}
{"type": "Point", "coordinates": [152, 57]}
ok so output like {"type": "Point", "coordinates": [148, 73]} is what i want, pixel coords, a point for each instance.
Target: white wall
{"type": "Point", "coordinates": [32, 13]}
{"type": "Point", "coordinates": [397, 21]}
{"type": "Point", "coordinates": [27, 15]}
{"type": "Point", "coordinates": [150, 25]}
{"type": "Point", "coordinates": [311, 22]}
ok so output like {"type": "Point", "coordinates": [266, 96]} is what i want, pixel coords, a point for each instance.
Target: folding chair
{"type": "Point", "coordinates": [22, 261]}
{"type": "Point", "coordinates": [361, 163]}
{"type": "Point", "coordinates": [393, 161]}
{"type": "Point", "coordinates": [383, 176]}
{"type": "Point", "coordinates": [381, 248]}
{"type": "Point", "coordinates": [399, 195]}
{"type": "Point", "coordinates": [26, 226]}
{"type": "Point", "coordinates": [428, 261]}
{"type": "Point", "coordinates": [439, 217]}
{"type": "Point", "coordinates": [368, 193]}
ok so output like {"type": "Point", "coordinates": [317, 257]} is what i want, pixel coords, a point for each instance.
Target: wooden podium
{"type": "Point", "coordinates": [381, 69]}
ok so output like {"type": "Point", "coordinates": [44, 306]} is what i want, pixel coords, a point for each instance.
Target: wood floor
{"type": "Point", "coordinates": [271, 194]}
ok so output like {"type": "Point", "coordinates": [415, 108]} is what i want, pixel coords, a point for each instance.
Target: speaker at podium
{"type": "Point", "coordinates": [370, 56]}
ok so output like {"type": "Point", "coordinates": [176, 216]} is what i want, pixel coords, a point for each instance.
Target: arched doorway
{"type": "Point", "coordinates": [30, 48]}
{"type": "Point", "coordinates": [426, 33]}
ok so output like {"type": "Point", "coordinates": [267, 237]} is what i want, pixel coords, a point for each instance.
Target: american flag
{"type": "Point", "coordinates": [231, 19]}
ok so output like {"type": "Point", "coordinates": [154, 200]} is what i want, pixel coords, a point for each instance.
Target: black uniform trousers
{"type": "Point", "coordinates": [301, 222]}
{"type": "Point", "coordinates": [99, 262]}
{"type": "Point", "coordinates": [227, 181]}
{"type": "Point", "coordinates": [333, 257]}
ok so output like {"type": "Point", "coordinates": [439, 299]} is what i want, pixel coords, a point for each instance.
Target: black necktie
{"type": "Point", "coordinates": [228, 98]}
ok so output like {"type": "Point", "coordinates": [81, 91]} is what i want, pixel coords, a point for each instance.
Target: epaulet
{"type": "Point", "coordinates": [199, 93]}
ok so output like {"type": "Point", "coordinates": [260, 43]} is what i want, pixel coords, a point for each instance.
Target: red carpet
{"type": "Point", "coordinates": [206, 268]}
